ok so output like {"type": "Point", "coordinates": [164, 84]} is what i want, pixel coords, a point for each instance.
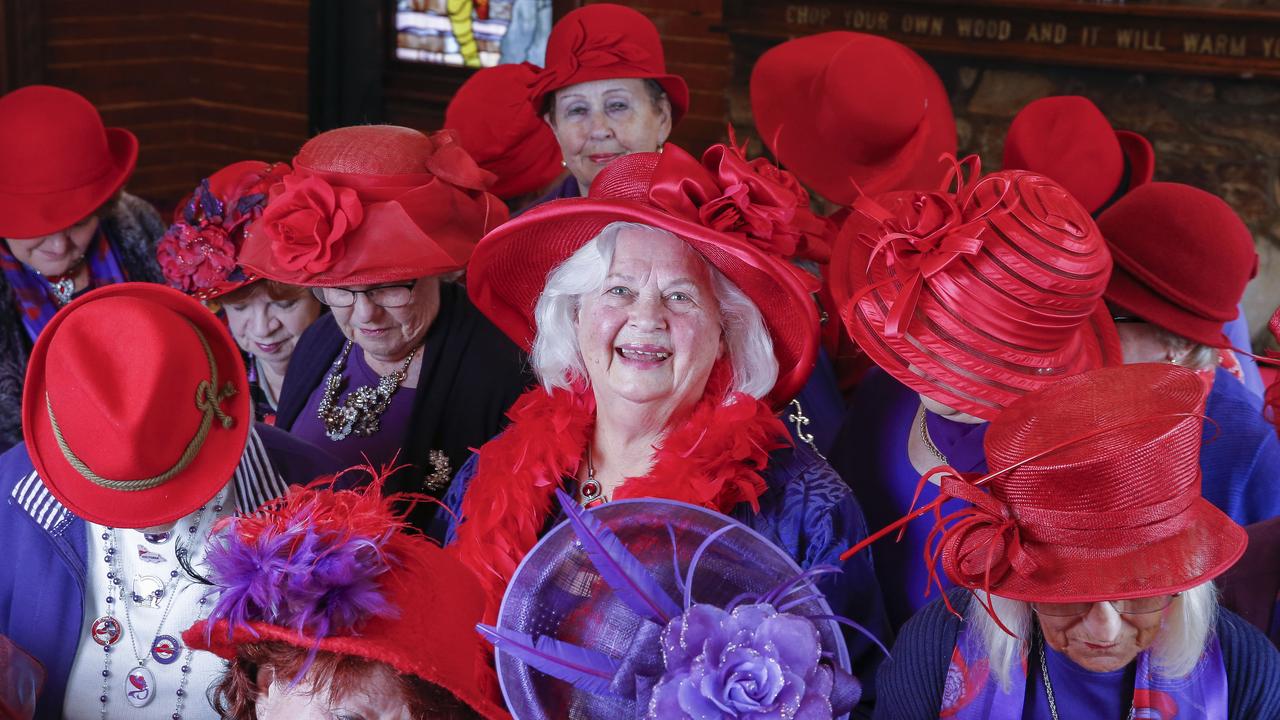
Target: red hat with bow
{"type": "Point", "coordinates": [976, 296]}
{"type": "Point", "coordinates": [742, 217]}
{"type": "Point", "coordinates": [372, 204]}
{"type": "Point", "coordinates": [603, 42]}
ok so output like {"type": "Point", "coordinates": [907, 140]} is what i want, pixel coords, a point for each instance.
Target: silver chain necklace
{"type": "Point", "coordinates": [928, 441]}
{"type": "Point", "coordinates": [1048, 686]}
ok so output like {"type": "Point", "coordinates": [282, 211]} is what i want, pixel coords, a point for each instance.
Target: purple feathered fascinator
{"type": "Point", "coordinates": [311, 562]}
{"type": "Point", "coordinates": [658, 609]}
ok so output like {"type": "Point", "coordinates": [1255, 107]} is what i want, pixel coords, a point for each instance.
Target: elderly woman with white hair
{"type": "Point", "coordinates": [666, 331]}
{"type": "Point", "coordinates": [1085, 570]}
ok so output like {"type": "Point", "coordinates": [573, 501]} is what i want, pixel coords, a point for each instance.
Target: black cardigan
{"type": "Point", "coordinates": [471, 374]}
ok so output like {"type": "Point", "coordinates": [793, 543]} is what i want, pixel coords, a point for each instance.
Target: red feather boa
{"type": "Point", "coordinates": [714, 458]}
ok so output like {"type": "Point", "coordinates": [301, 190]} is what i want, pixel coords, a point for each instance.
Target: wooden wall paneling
{"type": "Point", "coordinates": [22, 34]}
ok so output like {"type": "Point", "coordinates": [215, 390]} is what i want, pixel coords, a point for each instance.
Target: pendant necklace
{"type": "Point", "coordinates": [591, 490]}
{"type": "Point", "coordinates": [63, 286]}
{"type": "Point", "coordinates": [139, 685]}
{"type": "Point", "coordinates": [359, 413]}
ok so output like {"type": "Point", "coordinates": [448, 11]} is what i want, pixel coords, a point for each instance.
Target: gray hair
{"type": "Point", "coordinates": [557, 360]}
{"type": "Point", "coordinates": [1177, 648]}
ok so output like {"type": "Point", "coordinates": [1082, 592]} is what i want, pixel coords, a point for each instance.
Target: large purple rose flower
{"type": "Point", "coordinates": [752, 663]}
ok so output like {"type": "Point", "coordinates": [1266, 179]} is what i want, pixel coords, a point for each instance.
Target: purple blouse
{"type": "Point", "coordinates": [1078, 693]}
{"type": "Point", "coordinates": [381, 447]}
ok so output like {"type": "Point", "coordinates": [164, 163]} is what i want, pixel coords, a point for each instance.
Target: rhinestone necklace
{"type": "Point", "coordinates": [360, 412]}
{"type": "Point", "coordinates": [63, 286]}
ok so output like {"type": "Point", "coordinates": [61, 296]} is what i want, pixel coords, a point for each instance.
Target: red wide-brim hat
{"type": "Point", "coordinates": [131, 382]}
{"type": "Point", "coordinates": [1002, 298]}
{"type": "Point", "coordinates": [510, 266]}
{"type": "Point", "coordinates": [1107, 503]}
{"type": "Point", "coordinates": [846, 110]}
{"type": "Point", "coordinates": [58, 163]}
{"type": "Point", "coordinates": [604, 41]}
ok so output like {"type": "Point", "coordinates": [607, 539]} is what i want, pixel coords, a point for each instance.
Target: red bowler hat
{"type": "Point", "coordinates": [372, 204]}
{"type": "Point", "coordinates": [740, 218]}
{"type": "Point", "coordinates": [58, 163]}
{"type": "Point", "coordinates": [384, 595]}
{"type": "Point", "coordinates": [604, 42]}
{"type": "Point", "coordinates": [198, 254]}
{"type": "Point", "coordinates": [841, 108]}
{"type": "Point", "coordinates": [498, 127]}
{"type": "Point", "coordinates": [1069, 139]}
{"type": "Point", "coordinates": [1163, 237]}
{"type": "Point", "coordinates": [1093, 494]}
{"type": "Point", "coordinates": [136, 407]}
{"type": "Point", "coordinates": [978, 296]}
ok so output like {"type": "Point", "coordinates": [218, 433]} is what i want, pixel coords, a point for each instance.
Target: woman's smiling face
{"type": "Point", "coordinates": [599, 121]}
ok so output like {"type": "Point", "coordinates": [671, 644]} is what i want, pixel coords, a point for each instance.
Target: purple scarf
{"type": "Point", "coordinates": [36, 301]}
{"type": "Point", "coordinates": [971, 692]}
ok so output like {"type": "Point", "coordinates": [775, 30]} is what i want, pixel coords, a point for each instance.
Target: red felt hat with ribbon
{"type": "Point", "coordinates": [372, 204]}
{"type": "Point", "coordinates": [845, 108]}
{"type": "Point", "coordinates": [198, 254]}
{"type": "Point", "coordinates": [742, 217]}
{"type": "Point", "coordinates": [1069, 139]}
{"type": "Point", "coordinates": [497, 126]}
{"type": "Point", "coordinates": [978, 296]}
{"type": "Point", "coordinates": [603, 41]}
{"type": "Point", "coordinates": [58, 163]}
{"type": "Point", "coordinates": [1164, 237]}
{"type": "Point", "coordinates": [136, 407]}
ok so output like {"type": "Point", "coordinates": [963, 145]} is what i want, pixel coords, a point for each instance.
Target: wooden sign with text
{"type": "Point", "coordinates": [1137, 37]}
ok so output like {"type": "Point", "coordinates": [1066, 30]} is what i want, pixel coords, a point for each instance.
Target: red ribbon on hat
{"type": "Point", "coordinates": [602, 50]}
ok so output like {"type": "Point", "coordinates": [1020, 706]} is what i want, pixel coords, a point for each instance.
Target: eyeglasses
{"type": "Point", "coordinates": [1132, 606]}
{"type": "Point", "coordinates": [1127, 319]}
{"type": "Point", "coordinates": [386, 296]}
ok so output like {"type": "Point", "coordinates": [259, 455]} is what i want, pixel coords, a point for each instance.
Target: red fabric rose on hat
{"type": "Point", "coordinates": [196, 258]}
{"type": "Point", "coordinates": [307, 222]}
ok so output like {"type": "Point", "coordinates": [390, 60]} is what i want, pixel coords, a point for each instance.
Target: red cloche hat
{"type": "Point", "coordinates": [1163, 237]}
{"type": "Point", "coordinates": [741, 218]}
{"type": "Point", "coordinates": [386, 596]}
{"type": "Point", "coordinates": [198, 253]}
{"type": "Point", "coordinates": [977, 296]}
{"type": "Point", "coordinates": [372, 204]}
{"type": "Point", "coordinates": [841, 108]}
{"type": "Point", "coordinates": [498, 127]}
{"type": "Point", "coordinates": [136, 407]}
{"type": "Point", "coordinates": [1069, 139]}
{"type": "Point", "coordinates": [1094, 493]}
{"type": "Point", "coordinates": [602, 42]}
{"type": "Point", "coordinates": [58, 163]}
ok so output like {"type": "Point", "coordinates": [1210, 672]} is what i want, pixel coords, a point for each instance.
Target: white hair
{"type": "Point", "coordinates": [1177, 648]}
{"type": "Point", "coordinates": [557, 359]}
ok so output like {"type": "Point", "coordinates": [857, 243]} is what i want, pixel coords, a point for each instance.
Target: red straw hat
{"type": "Point", "coordinates": [387, 596]}
{"type": "Point", "coordinates": [498, 127]}
{"type": "Point", "coordinates": [372, 204]}
{"type": "Point", "coordinates": [198, 254]}
{"type": "Point", "coordinates": [740, 220]}
{"type": "Point", "coordinates": [1094, 494]}
{"type": "Point", "coordinates": [1069, 139]}
{"type": "Point", "coordinates": [58, 163]}
{"type": "Point", "coordinates": [603, 42]}
{"type": "Point", "coordinates": [1163, 237]}
{"type": "Point", "coordinates": [840, 108]}
{"type": "Point", "coordinates": [976, 297]}
{"type": "Point", "coordinates": [136, 407]}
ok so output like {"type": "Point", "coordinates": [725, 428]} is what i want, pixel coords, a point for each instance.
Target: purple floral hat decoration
{"type": "Point", "coordinates": [659, 609]}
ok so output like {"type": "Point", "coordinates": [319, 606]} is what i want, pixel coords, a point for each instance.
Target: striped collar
{"type": "Point", "coordinates": [256, 481]}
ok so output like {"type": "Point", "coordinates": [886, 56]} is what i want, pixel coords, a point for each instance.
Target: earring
{"type": "Point", "coordinates": [659, 149]}
{"type": "Point", "coordinates": [564, 163]}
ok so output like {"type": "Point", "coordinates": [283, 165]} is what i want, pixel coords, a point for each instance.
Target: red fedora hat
{"type": "Point", "coordinates": [909, 270]}
{"type": "Point", "coordinates": [603, 42]}
{"type": "Point", "coordinates": [841, 108]}
{"type": "Point", "coordinates": [199, 254]}
{"type": "Point", "coordinates": [58, 163]}
{"type": "Point", "coordinates": [1094, 493]}
{"type": "Point", "coordinates": [372, 204]}
{"type": "Point", "coordinates": [1069, 139]}
{"type": "Point", "coordinates": [738, 219]}
{"type": "Point", "coordinates": [498, 127]}
{"type": "Point", "coordinates": [136, 408]}
{"type": "Point", "coordinates": [1163, 236]}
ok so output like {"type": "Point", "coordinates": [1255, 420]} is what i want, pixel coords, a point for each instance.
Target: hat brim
{"type": "Point", "coordinates": [1206, 547]}
{"type": "Point", "coordinates": [196, 484]}
{"type": "Point", "coordinates": [38, 214]}
{"type": "Point", "coordinates": [781, 103]}
{"type": "Point", "coordinates": [1141, 156]}
{"type": "Point", "coordinates": [509, 269]}
{"type": "Point", "coordinates": [674, 86]}
{"type": "Point", "coordinates": [1132, 295]}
